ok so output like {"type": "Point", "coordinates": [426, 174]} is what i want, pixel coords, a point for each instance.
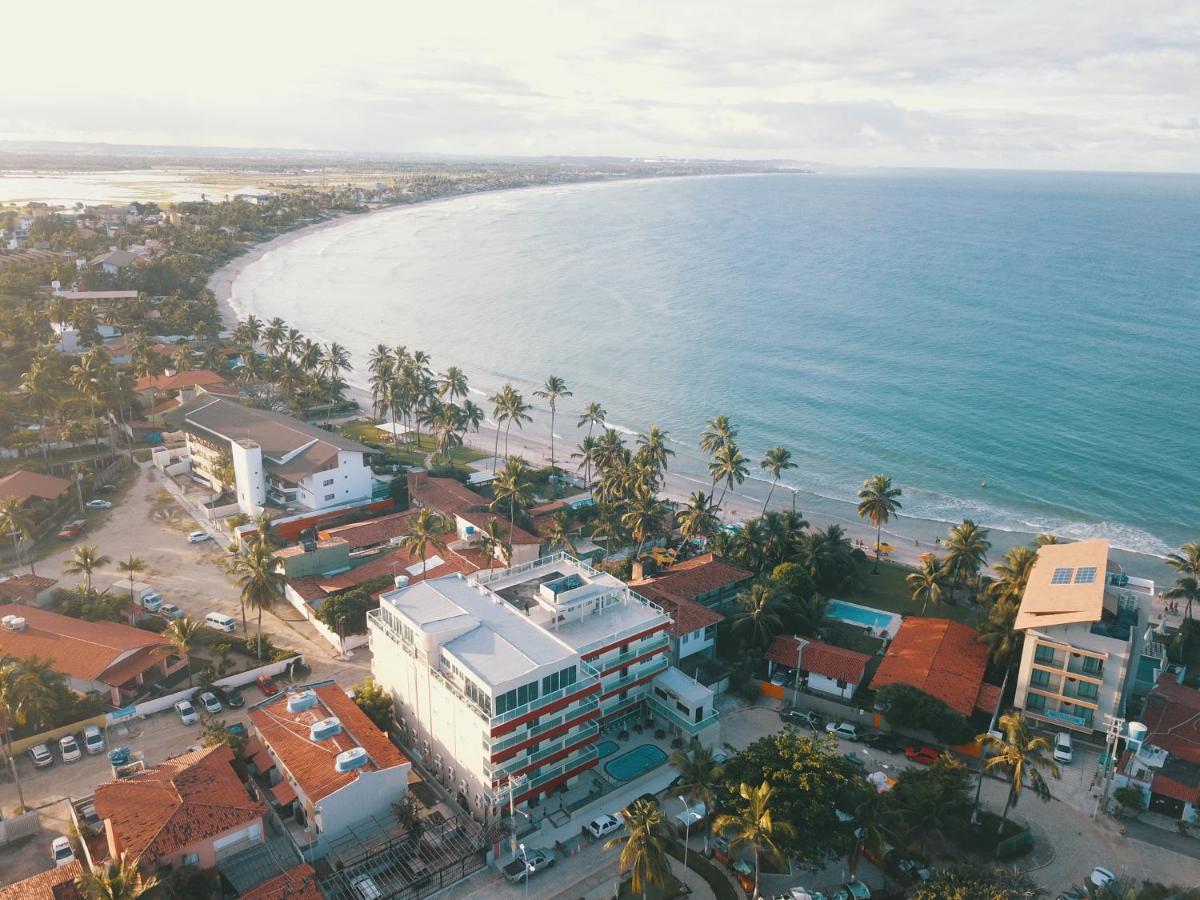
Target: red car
{"type": "Point", "coordinates": [926, 756]}
{"type": "Point", "coordinates": [267, 685]}
{"type": "Point", "coordinates": [72, 529]}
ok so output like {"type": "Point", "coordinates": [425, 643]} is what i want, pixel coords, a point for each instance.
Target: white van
{"type": "Point", "coordinates": [220, 621]}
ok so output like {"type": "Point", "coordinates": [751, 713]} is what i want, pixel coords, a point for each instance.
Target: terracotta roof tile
{"type": "Point", "coordinates": [686, 615]}
{"type": "Point", "coordinates": [820, 658]}
{"type": "Point", "coordinates": [53, 884]}
{"type": "Point", "coordinates": [443, 495]}
{"type": "Point", "coordinates": [24, 588]}
{"type": "Point", "coordinates": [25, 485]}
{"type": "Point", "coordinates": [373, 531]}
{"type": "Point", "coordinates": [398, 562]}
{"type": "Point", "coordinates": [179, 381]}
{"type": "Point", "coordinates": [1172, 715]}
{"type": "Point", "coordinates": [191, 798]}
{"type": "Point", "coordinates": [132, 666]}
{"type": "Point", "coordinates": [694, 577]}
{"type": "Point", "coordinates": [311, 765]}
{"type": "Point", "coordinates": [83, 650]}
{"type": "Point", "coordinates": [297, 883]}
{"type": "Point", "coordinates": [936, 656]}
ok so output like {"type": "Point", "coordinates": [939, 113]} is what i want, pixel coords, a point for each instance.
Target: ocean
{"type": "Point", "coordinates": [1017, 348]}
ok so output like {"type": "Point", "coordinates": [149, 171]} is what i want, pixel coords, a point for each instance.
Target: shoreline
{"type": "Point", "coordinates": [911, 537]}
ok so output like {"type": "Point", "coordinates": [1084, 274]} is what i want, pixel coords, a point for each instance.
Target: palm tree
{"type": "Point", "coordinates": [1187, 563]}
{"type": "Point", "coordinates": [999, 631]}
{"type": "Point", "coordinates": [27, 689]}
{"type": "Point", "coordinates": [759, 615]}
{"type": "Point", "coordinates": [260, 580]}
{"type": "Point", "coordinates": [428, 529]}
{"type": "Point", "coordinates": [85, 561]}
{"type": "Point", "coordinates": [554, 388]}
{"type": "Point", "coordinates": [135, 566]}
{"type": "Point", "coordinates": [118, 879]}
{"type": "Point", "coordinates": [1013, 569]}
{"type": "Point", "coordinates": [808, 614]}
{"type": "Point", "coordinates": [776, 461]}
{"type": "Point", "coordinates": [966, 554]}
{"type": "Point", "coordinates": [643, 516]}
{"type": "Point", "coordinates": [512, 486]}
{"type": "Point", "coordinates": [870, 827]}
{"type": "Point", "coordinates": [877, 503]}
{"type": "Point", "coordinates": [593, 414]}
{"type": "Point", "coordinates": [452, 384]}
{"type": "Point", "coordinates": [560, 534]}
{"type": "Point", "coordinates": [334, 361]}
{"type": "Point", "coordinates": [754, 825]}
{"type": "Point", "coordinates": [1022, 756]}
{"type": "Point", "coordinates": [182, 634]}
{"type": "Point", "coordinates": [926, 583]}
{"type": "Point", "coordinates": [728, 465]}
{"type": "Point", "coordinates": [498, 402]}
{"type": "Point", "coordinates": [699, 774]}
{"type": "Point", "coordinates": [1045, 538]}
{"type": "Point", "coordinates": [653, 449]}
{"type": "Point", "coordinates": [515, 412]}
{"type": "Point", "coordinates": [493, 545]}
{"type": "Point", "coordinates": [16, 521]}
{"type": "Point", "coordinates": [643, 846]}
{"type": "Point", "coordinates": [717, 434]}
{"type": "Point", "coordinates": [699, 518]}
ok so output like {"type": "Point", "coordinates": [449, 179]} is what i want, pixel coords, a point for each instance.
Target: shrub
{"type": "Point", "coordinates": [909, 708]}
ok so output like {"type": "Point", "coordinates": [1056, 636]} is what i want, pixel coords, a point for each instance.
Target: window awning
{"type": "Point", "coordinates": [283, 793]}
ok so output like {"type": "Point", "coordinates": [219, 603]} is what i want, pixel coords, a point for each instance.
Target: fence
{"type": "Point", "coordinates": [17, 827]}
{"type": "Point", "coordinates": [340, 644]}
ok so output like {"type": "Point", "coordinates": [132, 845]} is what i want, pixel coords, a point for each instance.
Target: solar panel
{"type": "Point", "coordinates": [1085, 575]}
{"type": "Point", "coordinates": [1062, 575]}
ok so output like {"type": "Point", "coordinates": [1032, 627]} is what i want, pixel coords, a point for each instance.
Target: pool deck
{"type": "Point", "coordinates": [888, 631]}
{"type": "Point", "coordinates": [648, 749]}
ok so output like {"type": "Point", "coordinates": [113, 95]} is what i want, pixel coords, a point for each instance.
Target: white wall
{"type": "Point", "coordinates": [370, 794]}
{"type": "Point", "coordinates": [248, 471]}
{"type": "Point", "coordinates": [827, 685]}
{"type": "Point", "coordinates": [695, 643]}
{"type": "Point", "coordinates": [350, 642]}
{"type": "Point", "coordinates": [351, 481]}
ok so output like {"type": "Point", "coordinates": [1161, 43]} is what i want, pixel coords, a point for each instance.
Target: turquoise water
{"type": "Point", "coordinates": [848, 612]}
{"type": "Point", "coordinates": [1033, 331]}
{"type": "Point", "coordinates": [635, 763]}
{"type": "Point", "coordinates": [607, 748]}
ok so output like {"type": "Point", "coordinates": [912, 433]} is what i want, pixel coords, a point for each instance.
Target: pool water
{"type": "Point", "coordinates": [857, 615]}
{"type": "Point", "coordinates": [607, 748]}
{"type": "Point", "coordinates": [637, 761]}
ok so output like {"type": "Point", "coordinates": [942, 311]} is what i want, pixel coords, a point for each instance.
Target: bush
{"type": "Point", "coordinates": [909, 708]}
{"type": "Point", "coordinates": [1129, 797]}
{"type": "Point", "coordinates": [719, 884]}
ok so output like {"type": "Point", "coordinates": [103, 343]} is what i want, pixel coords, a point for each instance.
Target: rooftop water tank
{"type": "Point", "coordinates": [325, 728]}
{"type": "Point", "coordinates": [470, 530]}
{"type": "Point", "coordinates": [301, 701]}
{"type": "Point", "coordinates": [401, 581]}
{"type": "Point", "coordinates": [14, 623]}
{"type": "Point", "coordinates": [1137, 734]}
{"type": "Point", "coordinates": [351, 759]}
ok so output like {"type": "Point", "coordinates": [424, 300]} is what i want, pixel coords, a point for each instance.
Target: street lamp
{"type": "Point", "coordinates": [687, 827]}
{"type": "Point", "coordinates": [528, 870]}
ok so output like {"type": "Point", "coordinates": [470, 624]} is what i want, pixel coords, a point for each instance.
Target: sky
{"type": "Point", "coordinates": [1058, 85]}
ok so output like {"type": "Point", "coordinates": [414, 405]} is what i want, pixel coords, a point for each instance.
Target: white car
{"type": "Point", "coordinates": [41, 756]}
{"type": "Point", "coordinates": [93, 739]}
{"type": "Point", "coordinates": [603, 826]}
{"type": "Point", "coordinates": [171, 611]}
{"type": "Point", "coordinates": [69, 748]}
{"type": "Point", "coordinates": [199, 537]}
{"type": "Point", "coordinates": [842, 730]}
{"type": "Point", "coordinates": [210, 702]}
{"type": "Point", "coordinates": [98, 504]}
{"type": "Point", "coordinates": [187, 713]}
{"type": "Point", "coordinates": [61, 852]}
{"type": "Point", "coordinates": [1063, 751]}
{"type": "Point", "coordinates": [1101, 876]}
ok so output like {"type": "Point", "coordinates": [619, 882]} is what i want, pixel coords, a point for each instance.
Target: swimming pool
{"type": "Point", "coordinates": [637, 761]}
{"type": "Point", "coordinates": [860, 615]}
{"type": "Point", "coordinates": [607, 748]}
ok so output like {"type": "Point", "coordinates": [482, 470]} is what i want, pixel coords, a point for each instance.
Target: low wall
{"type": "Point", "coordinates": [341, 645]}
{"type": "Point", "coordinates": [49, 737]}
{"type": "Point", "coordinates": [17, 827]}
{"type": "Point", "coordinates": [212, 513]}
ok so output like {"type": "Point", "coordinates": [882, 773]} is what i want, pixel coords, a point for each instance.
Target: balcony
{"type": "Point", "coordinates": [562, 768]}
{"type": "Point", "coordinates": [586, 733]}
{"type": "Point", "coordinates": [586, 706]}
{"type": "Point", "coordinates": [673, 716]}
{"type": "Point", "coordinates": [649, 669]}
{"type": "Point", "coordinates": [1084, 692]}
{"type": "Point", "coordinates": [1076, 667]}
{"type": "Point", "coordinates": [583, 684]}
{"type": "Point", "coordinates": [658, 642]}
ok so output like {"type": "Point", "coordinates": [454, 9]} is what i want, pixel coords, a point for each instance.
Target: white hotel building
{"type": "Point", "coordinates": [503, 681]}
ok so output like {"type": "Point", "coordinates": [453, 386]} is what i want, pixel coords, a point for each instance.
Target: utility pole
{"type": "Point", "coordinates": [1113, 726]}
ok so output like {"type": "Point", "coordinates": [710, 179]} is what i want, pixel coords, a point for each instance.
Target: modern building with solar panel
{"type": "Point", "coordinates": [1085, 624]}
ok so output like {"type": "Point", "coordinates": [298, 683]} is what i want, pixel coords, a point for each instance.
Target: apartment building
{"type": "Point", "coordinates": [1082, 617]}
{"type": "Point", "coordinates": [504, 680]}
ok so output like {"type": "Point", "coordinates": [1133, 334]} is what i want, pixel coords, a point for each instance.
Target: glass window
{"type": "Point", "coordinates": [1044, 654]}
{"type": "Point", "coordinates": [1035, 702]}
{"type": "Point", "coordinates": [1039, 678]}
{"type": "Point", "coordinates": [1092, 666]}
{"type": "Point", "coordinates": [1088, 691]}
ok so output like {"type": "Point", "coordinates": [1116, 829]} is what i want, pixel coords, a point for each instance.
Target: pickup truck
{"type": "Point", "coordinates": [516, 871]}
{"type": "Point", "coordinates": [72, 529]}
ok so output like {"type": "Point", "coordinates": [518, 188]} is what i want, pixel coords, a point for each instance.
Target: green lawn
{"type": "Point", "coordinates": [410, 452]}
{"type": "Point", "coordinates": [889, 591]}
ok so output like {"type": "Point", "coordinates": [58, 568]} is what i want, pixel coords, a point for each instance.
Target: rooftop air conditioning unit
{"type": "Point", "coordinates": [349, 760]}
{"type": "Point", "coordinates": [325, 728]}
{"type": "Point", "coordinates": [301, 701]}
{"type": "Point", "coordinates": [401, 582]}
{"type": "Point", "coordinates": [14, 623]}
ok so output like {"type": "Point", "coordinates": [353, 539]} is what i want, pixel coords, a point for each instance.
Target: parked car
{"type": "Point", "coordinates": [68, 747]}
{"type": "Point", "coordinates": [72, 529]}
{"type": "Point", "coordinates": [858, 764]}
{"type": "Point", "coordinates": [210, 702]}
{"type": "Point", "coordinates": [528, 864]}
{"type": "Point", "coordinates": [365, 888]}
{"type": "Point", "coordinates": [267, 685]}
{"type": "Point", "coordinates": [1101, 876]}
{"type": "Point", "coordinates": [807, 717]}
{"type": "Point", "coordinates": [199, 537]}
{"type": "Point", "coordinates": [845, 730]}
{"type": "Point", "coordinates": [41, 756]}
{"type": "Point", "coordinates": [93, 739]}
{"type": "Point", "coordinates": [61, 852]}
{"type": "Point", "coordinates": [800, 893]}
{"type": "Point", "coordinates": [171, 611]}
{"type": "Point", "coordinates": [919, 753]}
{"type": "Point", "coordinates": [98, 504]}
{"type": "Point", "coordinates": [884, 743]}
{"type": "Point", "coordinates": [151, 602]}
{"type": "Point", "coordinates": [1063, 750]}
{"type": "Point", "coordinates": [234, 698]}
{"type": "Point", "coordinates": [187, 713]}
{"type": "Point", "coordinates": [780, 678]}
{"type": "Point", "coordinates": [91, 820]}
{"type": "Point", "coordinates": [106, 489]}
{"type": "Point", "coordinates": [603, 826]}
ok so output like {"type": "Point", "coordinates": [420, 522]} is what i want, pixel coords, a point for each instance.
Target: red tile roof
{"type": "Point", "coordinates": [697, 576]}
{"type": "Point", "coordinates": [1169, 787]}
{"type": "Point", "coordinates": [297, 883]}
{"type": "Point", "coordinates": [1172, 715]}
{"type": "Point", "coordinates": [25, 485]}
{"type": "Point", "coordinates": [53, 884]}
{"type": "Point", "coordinates": [83, 650]}
{"type": "Point", "coordinates": [443, 495]}
{"type": "Point", "coordinates": [397, 562]}
{"type": "Point", "coordinates": [988, 698]}
{"type": "Point", "coordinates": [184, 801]}
{"type": "Point", "coordinates": [132, 666]}
{"type": "Point", "coordinates": [936, 656]}
{"type": "Point", "coordinates": [24, 588]}
{"type": "Point", "coordinates": [311, 765]}
{"type": "Point", "coordinates": [373, 531]}
{"type": "Point", "coordinates": [179, 381]}
{"type": "Point", "coordinates": [819, 658]}
{"type": "Point", "coordinates": [686, 615]}
{"type": "Point", "coordinates": [510, 533]}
